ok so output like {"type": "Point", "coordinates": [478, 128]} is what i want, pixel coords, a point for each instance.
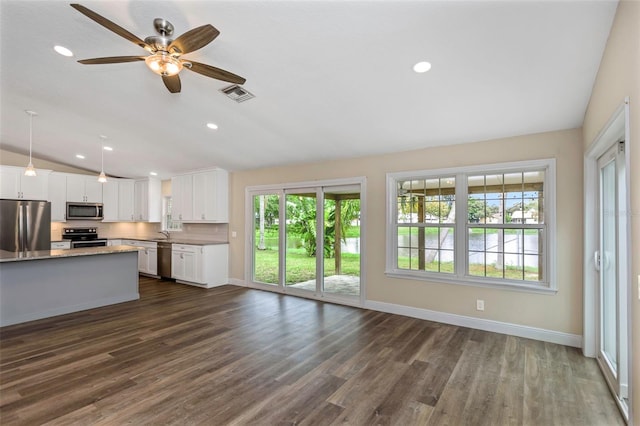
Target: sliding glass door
{"type": "Point", "coordinates": [610, 261]}
{"type": "Point", "coordinates": [307, 241]}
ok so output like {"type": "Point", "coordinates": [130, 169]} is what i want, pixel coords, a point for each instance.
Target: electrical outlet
{"type": "Point", "coordinates": [480, 305]}
{"type": "Point", "coordinates": [234, 234]}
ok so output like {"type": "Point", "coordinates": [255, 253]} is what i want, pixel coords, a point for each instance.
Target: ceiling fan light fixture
{"type": "Point", "coordinates": [163, 64]}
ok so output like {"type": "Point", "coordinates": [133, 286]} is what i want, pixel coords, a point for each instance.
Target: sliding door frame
{"type": "Point", "coordinates": [616, 129]}
{"type": "Point", "coordinates": [290, 188]}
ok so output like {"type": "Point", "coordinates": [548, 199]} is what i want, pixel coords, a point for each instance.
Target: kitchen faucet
{"type": "Point", "coordinates": [165, 233]}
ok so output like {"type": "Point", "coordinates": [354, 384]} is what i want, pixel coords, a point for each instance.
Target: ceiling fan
{"type": "Point", "coordinates": [165, 52]}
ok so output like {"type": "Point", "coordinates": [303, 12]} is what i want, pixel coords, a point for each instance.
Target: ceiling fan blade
{"type": "Point", "coordinates": [109, 25]}
{"type": "Point", "coordinates": [213, 72]}
{"type": "Point", "coordinates": [173, 83]}
{"type": "Point", "coordinates": [111, 60]}
{"type": "Point", "coordinates": [193, 39]}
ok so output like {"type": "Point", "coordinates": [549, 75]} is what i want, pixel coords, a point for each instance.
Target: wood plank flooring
{"type": "Point", "coordinates": [229, 355]}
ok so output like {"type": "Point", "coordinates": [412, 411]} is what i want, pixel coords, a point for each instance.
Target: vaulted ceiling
{"type": "Point", "coordinates": [331, 79]}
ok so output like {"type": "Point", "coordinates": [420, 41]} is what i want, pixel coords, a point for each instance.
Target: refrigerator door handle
{"type": "Point", "coordinates": [21, 232]}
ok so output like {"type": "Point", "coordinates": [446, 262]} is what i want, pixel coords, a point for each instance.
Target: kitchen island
{"type": "Point", "coordinates": [42, 284]}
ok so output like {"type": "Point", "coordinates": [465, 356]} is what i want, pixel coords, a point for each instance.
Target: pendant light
{"type": "Point", "coordinates": [102, 178]}
{"type": "Point", "coordinates": [30, 170]}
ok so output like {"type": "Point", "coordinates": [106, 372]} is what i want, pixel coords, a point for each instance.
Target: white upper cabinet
{"type": "Point", "coordinates": [147, 205]}
{"type": "Point", "coordinates": [182, 197]}
{"type": "Point", "coordinates": [58, 196]}
{"type": "Point", "coordinates": [117, 196]}
{"type": "Point", "coordinates": [84, 189]}
{"type": "Point", "coordinates": [201, 196]}
{"type": "Point", "coordinates": [126, 199]}
{"type": "Point", "coordinates": [14, 184]}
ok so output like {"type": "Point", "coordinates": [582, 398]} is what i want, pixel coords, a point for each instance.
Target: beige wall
{"type": "Point", "coordinates": [8, 158]}
{"type": "Point", "coordinates": [619, 76]}
{"type": "Point", "coordinates": [560, 312]}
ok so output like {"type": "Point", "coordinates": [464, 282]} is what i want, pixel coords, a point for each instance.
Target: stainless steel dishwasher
{"type": "Point", "coordinates": [164, 259]}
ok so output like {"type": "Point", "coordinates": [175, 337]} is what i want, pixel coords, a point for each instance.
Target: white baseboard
{"type": "Point", "coordinates": [534, 333]}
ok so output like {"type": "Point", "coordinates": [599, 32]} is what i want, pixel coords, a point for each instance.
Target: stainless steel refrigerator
{"type": "Point", "coordinates": [25, 225]}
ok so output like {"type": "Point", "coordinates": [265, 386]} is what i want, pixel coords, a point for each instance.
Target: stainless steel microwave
{"type": "Point", "coordinates": [84, 211]}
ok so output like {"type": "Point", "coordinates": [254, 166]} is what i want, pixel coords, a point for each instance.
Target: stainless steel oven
{"type": "Point", "coordinates": [83, 237]}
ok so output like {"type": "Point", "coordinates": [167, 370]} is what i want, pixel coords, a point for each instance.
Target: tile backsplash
{"type": "Point", "coordinates": [195, 231]}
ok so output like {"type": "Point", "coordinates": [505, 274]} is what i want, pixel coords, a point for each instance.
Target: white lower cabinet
{"type": "Point", "coordinates": [147, 256]}
{"type": "Point", "coordinates": [204, 266]}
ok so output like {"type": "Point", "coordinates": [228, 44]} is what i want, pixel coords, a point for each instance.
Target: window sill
{"type": "Point", "coordinates": [454, 279]}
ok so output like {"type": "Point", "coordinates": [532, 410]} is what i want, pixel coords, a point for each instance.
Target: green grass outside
{"type": "Point", "coordinates": [300, 267]}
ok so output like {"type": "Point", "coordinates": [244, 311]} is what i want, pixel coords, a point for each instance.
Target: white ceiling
{"type": "Point", "coordinates": [332, 79]}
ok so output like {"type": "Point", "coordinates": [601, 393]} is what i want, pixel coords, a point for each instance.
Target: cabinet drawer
{"type": "Point", "coordinates": [185, 248]}
{"type": "Point", "coordinates": [60, 245]}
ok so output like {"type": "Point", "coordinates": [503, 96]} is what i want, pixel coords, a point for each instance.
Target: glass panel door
{"type": "Point", "coordinates": [266, 247]}
{"type": "Point", "coordinates": [301, 242]}
{"type": "Point", "coordinates": [612, 260]}
{"type": "Point", "coordinates": [608, 270]}
{"type": "Point", "coordinates": [341, 252]}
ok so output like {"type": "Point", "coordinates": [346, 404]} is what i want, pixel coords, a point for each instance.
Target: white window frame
{"type": "Point", "coordinates": [176, 226]}
{"type": "Point", "coordinates": [548, 285]}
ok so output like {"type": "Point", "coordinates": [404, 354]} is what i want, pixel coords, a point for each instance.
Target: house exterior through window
{"type": "Point", "coordinates": [490, 225]}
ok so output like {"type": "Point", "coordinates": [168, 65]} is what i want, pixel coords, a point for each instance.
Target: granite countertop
{"type": "Point", "coordinates": [174, 240]}
{"type": "Point", "coordinates": [9, 256]}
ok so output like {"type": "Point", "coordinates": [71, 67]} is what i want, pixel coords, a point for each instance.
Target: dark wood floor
{"type": "Point", "coordinates": [230, 355]}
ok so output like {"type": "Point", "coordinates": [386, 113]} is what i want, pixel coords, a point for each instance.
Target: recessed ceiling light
{"type": "Point", "coordinates": [63, 51]}
{"type": "Point", "coordinates": [421, 67]}
{"type": "Point", "coordinates": [80, 156]}
{"type": "Point", "coordinates": [108, 148]}
{"type": "Point", "coordinates": [153, 173]}
{"type": "Point", "coordinates": [212, 126]}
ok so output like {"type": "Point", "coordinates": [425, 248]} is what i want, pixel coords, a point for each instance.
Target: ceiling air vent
{"type": "Point", "coordinates": [237, 93]}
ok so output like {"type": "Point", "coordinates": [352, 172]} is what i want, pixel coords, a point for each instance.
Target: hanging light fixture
{"type": "Point", "coordinates": [30, 170]}
{"type": "Point", "coordinates": [102, 178]}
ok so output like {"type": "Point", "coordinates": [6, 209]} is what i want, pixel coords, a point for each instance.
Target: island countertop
{"type": "Point", "coordinates": [9, 256]}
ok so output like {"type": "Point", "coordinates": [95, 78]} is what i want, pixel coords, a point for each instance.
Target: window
{"type": "Point", "coordinates": [168, 224]}
{"type": "Point", "coordinates": [491, 225]}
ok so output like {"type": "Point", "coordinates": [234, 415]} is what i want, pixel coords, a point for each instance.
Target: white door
{"type": "Point", "coordinates": [611, 261]}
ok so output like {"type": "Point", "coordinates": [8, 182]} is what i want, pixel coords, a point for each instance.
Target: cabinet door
{"type": "Point", "coordinates": [75, 189]}
{"type": "Point", "coordinates": [92, 190]}
{"type": "Point", "coordinates": [143, 257]}
{"type": "Point", "coordinates": [184, 200]}
{"type": "Point", "coordinates": [177, 265]}
{"type": "Point", "coordinates": [34, 187]}
{"type": "Point", "coordinates": [110, 200]}
{"type": "Point", "coordinates": [9, 183]}
{"type": "Point", "coordinates": [126, 199]}
{"type": "Point", "coordinates": [203, 195]}
{"type": "Point", "coordinates": [141, 203]}
{"type": "Point", "coordinates": [152, 261]}
{"type": "Point", "coordinates": [190, 267]}
{"type": "Point", "coordinates": [58, 197]}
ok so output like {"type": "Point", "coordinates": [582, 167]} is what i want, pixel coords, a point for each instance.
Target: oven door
{"type": "Point", "coordinates": [88, 243]}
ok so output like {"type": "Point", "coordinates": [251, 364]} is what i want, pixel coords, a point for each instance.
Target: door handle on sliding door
{"type": "Point", "coordinates": [596, 260]}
